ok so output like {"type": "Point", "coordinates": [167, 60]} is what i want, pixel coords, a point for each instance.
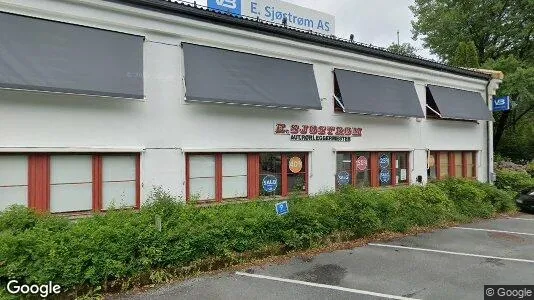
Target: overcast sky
{"type": "Point", "coordinates": [372, 22]}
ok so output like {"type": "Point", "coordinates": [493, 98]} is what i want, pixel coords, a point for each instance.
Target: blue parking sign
{"type": "Point", "coordinates": [282, 208]}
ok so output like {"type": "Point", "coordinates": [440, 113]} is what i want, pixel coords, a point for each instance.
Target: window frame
{"type": "Point", "coordinates": [374, 168]}
{"type": "Point", "coordinates": [452, 164]}
{"type": "Point", "coordinates": [39, 181]}
{"type": "Point", "coordinates": [253, 175]}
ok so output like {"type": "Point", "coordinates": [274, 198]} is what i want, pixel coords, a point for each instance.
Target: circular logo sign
{"type": "Point", "coordinates": [385, 176]}
{"type": "Point", "coordinates": [343, 178]}
{"type": "Point", "coordinates": [361, 163]}
{"type": "Point", "coordinates": [384, 161]}
{"type": "Point", "coordinates": [269, 183]}
{"type": "Point", "coordinates": [295, 164]}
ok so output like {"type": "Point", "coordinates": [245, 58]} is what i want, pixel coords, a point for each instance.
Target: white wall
{"type": "Point", "coordinates": [165, 126]}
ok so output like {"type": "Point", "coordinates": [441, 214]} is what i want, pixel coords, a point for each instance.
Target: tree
{"type": "Point", "coordinates": [497, 27]}
{"type": "Point", "coordinates": [502, 32]}
{"type": "Point", "coordinates": [403, 49]}
{"type": "Point", "coordinates": [466, 56]}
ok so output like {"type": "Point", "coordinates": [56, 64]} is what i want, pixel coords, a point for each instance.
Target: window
{"type": "Point", "coordinates": [234, 176]}
{"type": "Point", "coordinates": [296, 172]}
{"type": "Point", "coordinates": [458, 164]}
{"type": "Point", "coordinates": [13, 180]}
{"type": "Point", "coordinates": [71, 183]}
{"type": "Point", "coordinates": [66, 183]}
{"type": "Point", "coordinates": [270, 174]}
{"type": "Point", "coordinates": [119, 181]}
{"type": "Point", "coordinates": [372, 169]}
{"type": "Point", "coordinates": [222, 176]}
{"type": "Point", "coordinates": [202, 177]}
{"type": "Point", "coordinates": [401, 166]}
{"type": "Point", "coordinates": [363, 169]}
{"type": "Point", "coordinates": [443, 165]}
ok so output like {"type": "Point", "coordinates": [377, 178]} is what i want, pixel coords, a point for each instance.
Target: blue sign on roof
{"type": "Point", "coordinates": [502, 104]}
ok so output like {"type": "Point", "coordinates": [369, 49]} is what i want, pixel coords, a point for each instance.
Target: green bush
{"type": "Point", "coordinates": [530, 169]}
{"type": "Point", "coordinates": [121, 245]}
{"type": "Point", "coordinates": [513, 181]}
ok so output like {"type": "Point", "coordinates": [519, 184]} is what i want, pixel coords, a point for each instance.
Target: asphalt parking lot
{"type": "Point", "coordinates": [454, 263]}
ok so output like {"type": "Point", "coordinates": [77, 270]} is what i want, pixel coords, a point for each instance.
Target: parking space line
{"type": "Point", "coordinates": [453, 253]}
{"type": "Point", "coordinates": [492, 230]}
{"type": "Point", "coordinates": [324, 286]}
{"type": "Point", "coordinates": [522, 219]}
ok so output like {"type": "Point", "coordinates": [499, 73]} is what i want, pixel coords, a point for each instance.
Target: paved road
{"type": "Point", "coordinates": [454, 263]}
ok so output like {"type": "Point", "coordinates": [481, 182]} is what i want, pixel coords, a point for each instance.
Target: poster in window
{"type": "Point", "coordinates": [295, 164]}
{"type": "Point", "coordinates": [385, 176]}
{"type": "Point", "coordinates": [361, 163]}
{"type": "Point", "coordinates": [384, 161]}
{"type": "Point", "coordinates": [269, 183]}
{"type": "Point", "coordinates": [343, 178]}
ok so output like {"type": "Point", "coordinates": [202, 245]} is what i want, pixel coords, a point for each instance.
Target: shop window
{"type": "Point", "coordinates": [67, 183]}
{"type": "Point", "coordinates": [372, 168]}
{"type": "Point", "coordinates": [202, 177]}
{"type": "Point", "coordinates": [270, 174]}
{"type": "Point", "coordinates": [458, 164]}
{"type": "Point", "coordinates": [385, 169]}
{"type": "Point", "coordinates": [119, 181]}
{"type": "Point", "coordinates": [470, 166]}
{"type": "Point", "coordinates": [296, 173]}
{"type": "Point", "coordinates": [433, 166]}
{"type": "Point", "coordinates": [443, 165]}
{"type": "Point", "coordinates": [344, 169]}
{"type": "Point", "coordinates": [234, 176]}
{"type": "Point", "coordinates": [363, 169]}
{"type": "Point", "coordinates": [13, 180]}
{"type": "Point", "coordinates": [71, 183]}
{"type": "Point", "coordinates": [218, 177]}
{"type": "Point", "coordinates": [401, 167]}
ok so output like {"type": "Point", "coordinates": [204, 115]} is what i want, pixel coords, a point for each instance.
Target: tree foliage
{"type": "Point", "coordinates": [466, 55]}
{"type": "Point", "coordinates": [502, 35]}
{"type": "Point", "coordinates": [497, 27]}
{"type": "Point", "coordinates": [403, 49]}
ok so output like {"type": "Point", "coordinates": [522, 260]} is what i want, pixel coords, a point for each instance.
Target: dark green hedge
{"type": "Point", "coordinates": [119, 245]}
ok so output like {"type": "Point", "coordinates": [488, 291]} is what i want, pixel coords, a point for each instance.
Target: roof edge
{"type": "Point", "coordinates": [195, 12]}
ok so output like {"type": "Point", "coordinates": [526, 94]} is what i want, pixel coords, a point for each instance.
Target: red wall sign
{"type": "Point", "coordinates": [317, 133]}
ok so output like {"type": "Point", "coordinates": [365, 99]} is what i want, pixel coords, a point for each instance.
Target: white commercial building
{"type": "Point", "coordinates": [101, 101]}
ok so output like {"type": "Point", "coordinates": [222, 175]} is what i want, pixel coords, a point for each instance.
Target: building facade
{"type": "Point", "coordinates": [101, 101]}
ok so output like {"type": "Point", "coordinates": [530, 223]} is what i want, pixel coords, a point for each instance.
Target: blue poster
{"type": "Point", "coordinates": [385, 176]}
{"type": "Point", "coordinates": [269, 183]}
{"type": "Point", "coordinates": [343, 178]}
{"type": "Point", "coordinates": [384, 161]}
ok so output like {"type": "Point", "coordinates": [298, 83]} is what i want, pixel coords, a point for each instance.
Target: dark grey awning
{"type": "Point", "coordinates": [43, 55]}
{"type": "Point", "coordinates": [223, 76]}
{"type": "Point", "coordinates": [460, 104]}
{"type": "Point", "coordinates": [376, 95]}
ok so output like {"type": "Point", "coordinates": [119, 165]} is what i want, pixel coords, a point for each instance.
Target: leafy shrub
{"type": "Point", "coordinates": [121, 245]}
{"type": "Point", "coordinates": [513, 181]}
{"type": "Point", "coordinates": [530, 169]}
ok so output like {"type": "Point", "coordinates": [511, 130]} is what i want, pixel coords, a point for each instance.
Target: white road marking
{"type": "Point", "coordinates": [453, 253]}
{"type": "Point", "coordinates": [522, 219]}
{"type": "Point", "coordinates": [492, 230]}
{"type": "Point", "coordinates": [324, 286]}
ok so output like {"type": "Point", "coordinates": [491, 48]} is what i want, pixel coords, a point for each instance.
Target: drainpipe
{"type": "Point", "coordinates": [489, 137]}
